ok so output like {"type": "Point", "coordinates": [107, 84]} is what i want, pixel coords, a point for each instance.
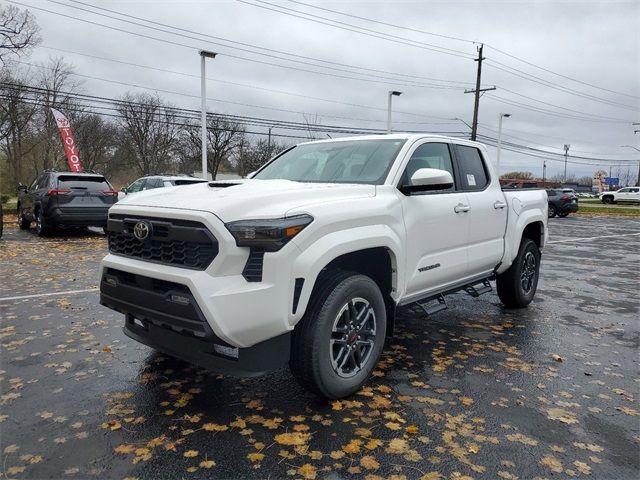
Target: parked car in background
{"type": "Point", "coordinates": [65, 199]}
{"type": "Point", "coordinates": [627, 194]}
{"type": "Point", "coordinates": [561, 203]}
{"type": "Point", "coordinates": [158, 181]}
{"type": "Point", "coordinates": [569, 191]}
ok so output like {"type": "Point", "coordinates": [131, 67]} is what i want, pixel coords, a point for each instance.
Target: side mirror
{"type": "Point", "coordinates": [124, 190]}
{"type": "Point", "coordinates": [250, 175]}
{"type": "Point", "coordinates": [428, 179]}
{"type": "Point", "coordinates": [22, 188]}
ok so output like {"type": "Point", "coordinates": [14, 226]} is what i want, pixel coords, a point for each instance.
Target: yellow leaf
{"type": "Point", "coordinates": [214, 427]}
{"type": "Point", "coordinates": [582, 467]}
{"type": "Point", "coordinates": [392, 426]}
{"type": "Point", "coordinates": [142, 451]}
{"type": "Point", "coordinates": [397, 445]}
{"type": "Point", "coordinates": [35, 459]}
{"type": "Point", "coordinates": [106, 349]}
{"type": "Point", "coordinates": [255, 456]}
{"type": "Point", "coordinates": [300, 427]}
{"type": "Point", "coordinates": [466, 401]}
{"type": "Point", "coordinates": [238, 423]}
{"type": "Point", "coordinates": [295, 438]}
{"type": "Point", "coordinates": [556, 357]}
{"type": "Point", "coordinates": [297, 418]}
{"type": "Point", "coordinates": [11, 449]}
{"type": "Point", "coordinates": [336, 405]}
{"type": "Point", "coordinates": [411, 430]}
{"type": "Point", "coordinates": [336, 454]}
{"type": "Point", "coordinates": [552, 462]}
{"type": "Point", "coordinates": [373, 444]}
{"type": "Point", "coordinates": [207, 464]}
{"type": "Point", "coordinates": [124, 449]}
{"type": "Point", "coordinates": [431, 476]}
{"type": "Point", "coordinates": [191, 453]}
{"type": "Point", "coordinates": [352, 447]}
{"type": "Point", "coordinates": [307, 471]}
{"type": "Point", "coordinates": [369, 462]}
{"type": "Point", "coordinates": [561, 415]}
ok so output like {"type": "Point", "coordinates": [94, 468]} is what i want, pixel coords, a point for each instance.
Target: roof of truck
{"type": "Point", "coordinates": [399, 136]}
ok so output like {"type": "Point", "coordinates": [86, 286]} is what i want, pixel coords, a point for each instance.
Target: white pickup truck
{"type": "Point", "coordinates": [307, 261]}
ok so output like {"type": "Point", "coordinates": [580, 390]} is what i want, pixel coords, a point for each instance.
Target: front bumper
{"type": "Point", "coordinates": [165, 316]}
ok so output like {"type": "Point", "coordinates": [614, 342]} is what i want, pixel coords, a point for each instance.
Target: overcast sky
{"type": "Point", "coordinates": [595, 42]}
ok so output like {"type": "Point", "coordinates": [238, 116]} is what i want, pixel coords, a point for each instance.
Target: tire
{"type": "Point", "coordinates": [42, 229]}
{"type": "Point", "coordinates": [23, 223]}
{"type": "Point", "coordinates": [608, 200]}
{"type": "Point", "coordinates": [552, 211]}
{"type": "Point", "coordinates": [563, 214]}
{"type": "Point", "coordinates": [325, 349]}
{"type": "Point", "coordinates": [517, 286]}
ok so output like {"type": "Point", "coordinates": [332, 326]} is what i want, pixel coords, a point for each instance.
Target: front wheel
{"type": "Point", "coordinates": [517, 286]}
{"type": "Point", "coordinates": [608, 200]}
{"type": "Point", "coordinates": [339, 340]}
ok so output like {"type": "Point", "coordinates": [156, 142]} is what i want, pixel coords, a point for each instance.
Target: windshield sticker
{"type": "Point", "coordinates": [471, 180]}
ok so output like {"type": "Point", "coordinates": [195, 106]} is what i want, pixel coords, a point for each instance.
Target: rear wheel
{"type": "Point", "coordinates": [339, 340]}
{"type": "Point", "coordinates": [517, 286]}
{"type": "Point", "coordinates": [42, 229]}
{"type": "Point", "coordinates": [552, 211]}
{"type": "Point", "coordinates": [23, 223]}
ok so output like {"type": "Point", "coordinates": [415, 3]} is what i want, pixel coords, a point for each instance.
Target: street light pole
{"type": "Point", "coordinates": [638, 150]}
{"type": "Point", "coordinates": [392, 93]}
{"type": "Point", "coordinates": [500, 117]}
{"type": "Point", "coordinates": [566, 154]}
{"type": "Point", "coordinates": [203, 94]}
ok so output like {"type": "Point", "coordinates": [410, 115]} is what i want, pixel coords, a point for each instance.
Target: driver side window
{"type": "Point", "coordinates": [429, 155]}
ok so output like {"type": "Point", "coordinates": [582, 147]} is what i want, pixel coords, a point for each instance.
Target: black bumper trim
{"type": "Point", "coordinates": [262, 358]}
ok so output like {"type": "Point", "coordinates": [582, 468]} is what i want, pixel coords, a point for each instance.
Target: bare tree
{"type": "Point", "coordinates": [518, 175]}
{"type": "Point", "coordinates": [224, 137]}
{"type": "Point", "coordinates": [19, 31]}
{"type": "Point", "coordinates": [96, 139]}
{"type": "Point", "coordinates": [17, 111]}
{"type": "Point", "coordinates": [253, 155]}
{"type": "Point", "coordinates": [150, 132]}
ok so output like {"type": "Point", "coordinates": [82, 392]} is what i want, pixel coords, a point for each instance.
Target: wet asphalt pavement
{"type": "Point", "coordinates": [476, 391]}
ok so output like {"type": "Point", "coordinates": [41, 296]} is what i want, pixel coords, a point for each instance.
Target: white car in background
{"type": "Point", "coordinates": [158, 181]}
{"type": "Point", "coordinates": [627, 194]}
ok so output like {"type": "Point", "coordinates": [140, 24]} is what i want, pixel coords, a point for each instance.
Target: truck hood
{"type": "Point", "coordinates": [247, 199]}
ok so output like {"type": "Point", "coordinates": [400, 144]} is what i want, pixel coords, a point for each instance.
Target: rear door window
{"type": "Point", "coordinates": [83, 182]}
{"type": "Point", "coordinates": [473, 173]}
{"type": "Point", "coordinates": [153, 183]}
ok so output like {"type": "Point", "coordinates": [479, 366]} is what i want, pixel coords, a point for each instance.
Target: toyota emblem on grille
{"type": "Point", "coordinates": [142, 230]}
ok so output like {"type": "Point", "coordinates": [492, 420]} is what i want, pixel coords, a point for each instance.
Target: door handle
{"type": "Point", "coordinates": [461, 208]}
{"type": "Point", "coordinates": [498, 204]}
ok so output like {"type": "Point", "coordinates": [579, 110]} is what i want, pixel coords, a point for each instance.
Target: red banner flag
{"type": "Point", "coordinates": [70, 147]}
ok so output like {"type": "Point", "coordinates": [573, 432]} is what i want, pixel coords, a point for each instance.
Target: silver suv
{"type": "Point", "coordinates": [158, 181]}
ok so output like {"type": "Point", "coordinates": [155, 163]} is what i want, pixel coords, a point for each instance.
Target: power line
{"type": "Point", "coordinates": [352, 28]}
{"type": "Point", "coordinates": [410, 29]}
{"type": "Point", "coordinates": [358, 67]}
{"type": "Point", "coordinates": [258, 88]}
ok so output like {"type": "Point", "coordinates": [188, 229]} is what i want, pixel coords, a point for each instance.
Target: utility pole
{"type": "Point", "coordinates": [204, 54]}
{"type": "Point", "coordinates": [477, 91]}
{"type": "Point", "coordinates": [566, 154]}
{"type": "Point", "coordinates": [544, 173]}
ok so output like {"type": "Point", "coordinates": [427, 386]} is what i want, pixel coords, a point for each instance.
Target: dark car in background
{"type": "Point", "coordinates": [158, 181]}
{"type": "Point", "coordinates": [65, 199]}
{"type": "Point", "coordinates": [561, 203]}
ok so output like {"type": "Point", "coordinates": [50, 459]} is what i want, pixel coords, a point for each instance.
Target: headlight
{"type": "Point", "coordinates": [270, 234]}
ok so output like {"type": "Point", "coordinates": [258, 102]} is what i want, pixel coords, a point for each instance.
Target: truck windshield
{"type": "Point", "coordinates": [351, 161]}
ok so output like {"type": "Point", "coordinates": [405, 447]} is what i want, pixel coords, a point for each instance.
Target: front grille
{"type": "Point", "coordinates": [180, 243]}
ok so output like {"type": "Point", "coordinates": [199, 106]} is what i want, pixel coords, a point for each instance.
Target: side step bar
{"type": "Point", "coordinates": [474, 289]}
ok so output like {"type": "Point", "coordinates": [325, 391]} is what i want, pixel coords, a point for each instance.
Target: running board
{"type": "Point", "coordinates": [430, 310]}
{"type": "Point", "coordinates": [475, 290]}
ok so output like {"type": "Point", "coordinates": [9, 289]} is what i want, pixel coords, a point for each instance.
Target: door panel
{"type": "Point", "coordinates": [436, 223]}
{"type": "Point", "coordinates": [436, 243]}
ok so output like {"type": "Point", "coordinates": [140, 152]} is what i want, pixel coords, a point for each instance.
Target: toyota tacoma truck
{"type": "Point", "coordinates": [306, 261]}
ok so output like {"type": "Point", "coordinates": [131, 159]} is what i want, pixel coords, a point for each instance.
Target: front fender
{"type": "Point", "coordinates": [331, 246]}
